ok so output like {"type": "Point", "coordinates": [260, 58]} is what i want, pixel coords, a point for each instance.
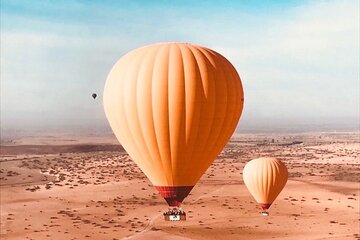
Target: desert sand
{"type": "Point", "coordinates": [67, 187]}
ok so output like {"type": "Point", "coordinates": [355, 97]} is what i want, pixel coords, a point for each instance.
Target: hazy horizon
{"type": "Point", "coordinates": [298, 60]}
{"type": "Point", "coordinates": [100, 128]}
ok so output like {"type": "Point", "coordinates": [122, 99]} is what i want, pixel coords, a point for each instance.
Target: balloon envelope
{"type": "Point", "coordinates": [94, 95]}
{"type": "Point", "coordinates": [173, 107]}
{"type": "Point", "coordinates": [265, 178]}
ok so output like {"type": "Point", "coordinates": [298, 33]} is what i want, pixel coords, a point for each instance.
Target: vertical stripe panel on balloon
{"type": "Point", "coordinates": [268, 172]}
{"type": "Point", "coordinates": [118, 111]}
{"type": "Point", "coordinates": [194, 100]}
{"type": "Point", "coordinates": [111, 99]}
{"type": "Point", "coordinates": [212, 98]}
{"type": "Point", "coordinates": [146, 122]}
{"type": "Point", "coordinates": [221, 105]}
{"type": "Point", "coordinates": [161, 113]}
{"type": "Point", "coordinates": [176, 109]}
{"type": "Point", "coordinates": [279, 179]}
{"type": "Point", "coordinates": [131, 111]}
{"type": "Point", "coordinates": [227, 128]}
{"type": "Point", "coordinates": [193, 103]}
{"type": "Point", "coordinates": [274, 179]}
{"type": "Point", "coordinates": [255, 181]}
{"type": "Point", "coordinates": [240, 95]}
{"type": "Point", "coordinates": [207, 111]}
{"type": "Point", "coordinates": [262, 181]}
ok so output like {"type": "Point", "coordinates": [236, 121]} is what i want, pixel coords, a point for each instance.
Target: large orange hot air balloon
{"type": "Point", "coordinates": [173, 107]}
{"type": "Point", "coordinates": [265, 178]}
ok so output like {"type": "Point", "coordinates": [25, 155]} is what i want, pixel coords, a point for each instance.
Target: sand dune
{"type": "Point", "coordinates": [78, 190]}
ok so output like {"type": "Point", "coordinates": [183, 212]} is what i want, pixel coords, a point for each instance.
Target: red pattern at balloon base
{"type": "Point", "coordinates": [264, 206]}
{"type": "Point", "coordinates": [174, 195]}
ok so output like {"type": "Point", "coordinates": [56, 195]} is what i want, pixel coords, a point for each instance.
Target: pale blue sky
{"type": "Point", "coordinates": [298, 60]}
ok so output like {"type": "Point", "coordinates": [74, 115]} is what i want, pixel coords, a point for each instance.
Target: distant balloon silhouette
{"type": "Point", "coordinates": [173, 107]}
{"type": "Point", "coordinates": [265, 178]}
{"type": "Point", "coordinates": [94, 95]}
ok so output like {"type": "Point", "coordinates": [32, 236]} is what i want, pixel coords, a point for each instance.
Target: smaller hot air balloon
{"type": "Point", "coordinates": [94, 95]}
{"type": "Point", "coordinates": [265, 178]}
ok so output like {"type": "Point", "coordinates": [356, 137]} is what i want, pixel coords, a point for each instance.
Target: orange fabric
{"type": "Point", "coordinates": [265, 178]}
{"type": "Point", "coordinates": [173, 107]}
